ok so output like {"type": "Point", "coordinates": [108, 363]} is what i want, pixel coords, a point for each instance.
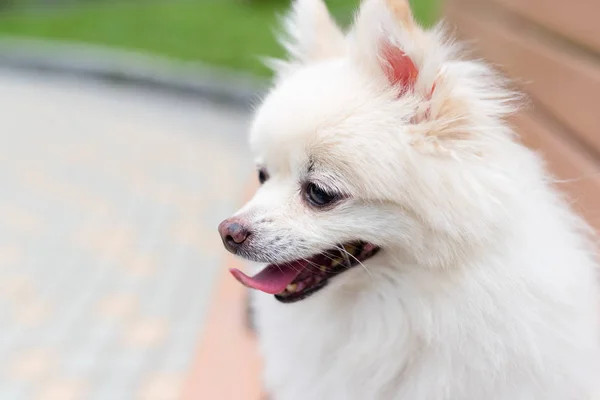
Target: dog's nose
{"type": "Point", "coordinates": [233, 233]}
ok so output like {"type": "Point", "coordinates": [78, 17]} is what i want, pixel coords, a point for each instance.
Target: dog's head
{"type": "Point", "coordinates": [375, 143]}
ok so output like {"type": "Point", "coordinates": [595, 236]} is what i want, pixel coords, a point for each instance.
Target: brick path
{"type": "Point", "coordinates": [109, 201]}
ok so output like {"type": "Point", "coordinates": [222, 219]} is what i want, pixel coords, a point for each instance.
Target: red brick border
{"type": "Point", "coordinates": [227, 365]}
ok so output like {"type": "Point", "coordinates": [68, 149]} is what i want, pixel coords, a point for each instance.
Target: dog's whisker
{"type": "Point", "coordinates": [346, 256]}
{"type": "Point", "coordinates": [362, 265]}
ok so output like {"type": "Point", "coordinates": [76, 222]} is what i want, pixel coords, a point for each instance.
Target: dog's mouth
{"type": "Point", "coordinates": [296, 280]}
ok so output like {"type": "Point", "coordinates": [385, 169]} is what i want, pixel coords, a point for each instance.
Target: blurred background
{"type": "Point", "coordinates": [122, 146]}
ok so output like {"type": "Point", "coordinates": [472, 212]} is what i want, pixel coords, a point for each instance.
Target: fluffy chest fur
{"type": "Point", "coordinates": [420, 336]}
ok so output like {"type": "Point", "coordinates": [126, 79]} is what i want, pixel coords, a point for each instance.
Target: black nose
{"type": "Point", "coordinates": [233, 234]}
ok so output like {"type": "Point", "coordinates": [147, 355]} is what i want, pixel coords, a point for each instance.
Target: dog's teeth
{"type": "Point", "coordinates": [352, 250]}
{"type": "Point", "coordinates": [291, 287]}
{"type": "Point", "coordinates": [324, 268]}
{"type": "Point", "coordinates": [334, 263]}
{"type": "Point", "coordinates": [349, 248]}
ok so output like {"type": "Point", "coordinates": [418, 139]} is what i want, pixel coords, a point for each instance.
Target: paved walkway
{"type": "Point", "coordinates": [109, 202]}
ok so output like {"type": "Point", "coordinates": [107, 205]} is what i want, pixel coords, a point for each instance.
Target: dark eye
{"type": "Point", "coordinates": [317, 196]}
{"type": "Point", "coordinates": [263, 176]}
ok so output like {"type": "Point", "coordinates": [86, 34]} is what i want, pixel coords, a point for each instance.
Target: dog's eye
{"type": "Point", "coordinates": [263, 176]}
{"type": "Point", "coordinates": [317, 196]}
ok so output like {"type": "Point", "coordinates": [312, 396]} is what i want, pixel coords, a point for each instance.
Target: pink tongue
{"type": "Point", "coordinates": [272, 279]}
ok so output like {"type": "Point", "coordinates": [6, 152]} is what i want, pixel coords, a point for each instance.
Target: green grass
{"type": "Point", "coordinates": [226, 33]}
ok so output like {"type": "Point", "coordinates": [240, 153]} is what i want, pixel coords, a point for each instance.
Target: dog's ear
{"type": "Point", "coordinates": [388, 42]}
{"type": "Point", "coordinates": [310, 34]}
{"type": "Point", "coordinates": [450, 95]}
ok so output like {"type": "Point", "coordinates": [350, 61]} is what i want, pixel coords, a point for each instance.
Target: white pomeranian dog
{"type": "Point", "coordinates": [415, 249]}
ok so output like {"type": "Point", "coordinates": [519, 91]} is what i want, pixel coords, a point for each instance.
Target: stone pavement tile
{"type": "Point", "coordinates": [161, 387]}
{"type": "Point", "coordinates": [15, 390]}
{"type": "Point", "coordinates": [108, 242]}
{"type": "Point", "coordinates": [33, 364]}
{"type": "Point", "coordinates": [61, 389]}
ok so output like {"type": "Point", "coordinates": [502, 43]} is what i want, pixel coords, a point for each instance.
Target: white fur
{"type": "Point", "coordinates": [485, 287]}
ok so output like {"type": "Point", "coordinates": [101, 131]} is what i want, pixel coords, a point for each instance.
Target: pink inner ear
{"type": "Point", "coordinates": [399, 68]}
